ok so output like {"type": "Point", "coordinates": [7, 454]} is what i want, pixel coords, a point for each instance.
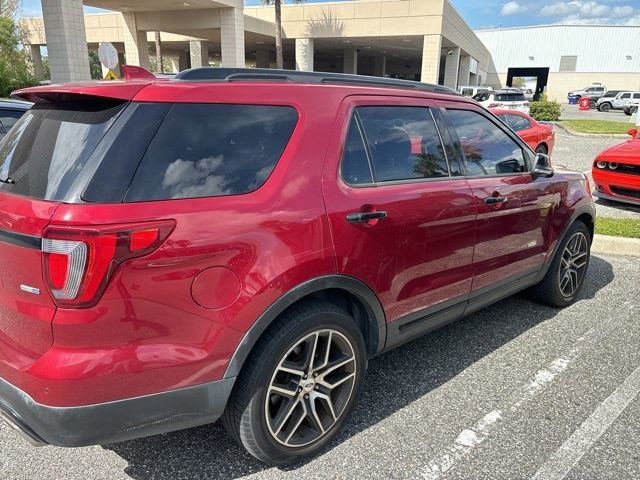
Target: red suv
{"type": "Point", "coordinates": [237, 244]}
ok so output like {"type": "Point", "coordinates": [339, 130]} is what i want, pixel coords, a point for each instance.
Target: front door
{"type": "Point", "coordinates": [515, 210]}
{"type": "Point", "coordinates": [401, 215]}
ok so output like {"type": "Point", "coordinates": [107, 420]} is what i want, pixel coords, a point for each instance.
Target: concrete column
{"type": "Point", "coordinates": [463, 71]}
{"type": "Point", "coordinates": [36, 58]}
{"type": "Point", "coordinates": [136, 47]}
{"type": "Point", "coordinates": [199, 52]}
{"type": "Point", "coordinates": [451, 67]}
{"type": "Point", "coordinates": [183, 61]}
{"type": "Point", "coordinates": [431, 58]}
{"type": "Point", "coordinates": [304, 54]}
{"type": "Point", "coordinates": [380, 66]}
{"type": "Point", "coordinates": [121, 61]}
{"type": "Point", "coordinates": [263, 58]}
{"type": "Point", "coordinates": [232, 37]}
{"type": "Point", "coordinates": [66, 40]}
{"type": "Point", "coordinates": [350, 60]}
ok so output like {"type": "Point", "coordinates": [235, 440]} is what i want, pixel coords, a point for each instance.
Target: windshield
{"type": "Point", "coordinates": [46, 149]}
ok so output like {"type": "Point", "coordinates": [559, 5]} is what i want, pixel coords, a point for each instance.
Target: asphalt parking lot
{"type": "Point", "coordinates": [572, 112]}
{"type": "Point", "coordinates": [512, 391]}
{"type": "Point", "coordinates": [578, 153]}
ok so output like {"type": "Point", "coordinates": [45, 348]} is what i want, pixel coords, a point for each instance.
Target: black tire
{"type": "Point", "coordinates": [633, 110]}
{"type": "Point", "coordinates": [605, 107]}
{"type": "Point", "coordinates": [548, 291]}
{"type": "Point", "coordinates": [246, 417]}
{"type": "Point", "coordinates": [542, 148]}
{"type": "Point", "coordinates": [592, 104]}
{"type": "Point", "coordinates": [627, 112]}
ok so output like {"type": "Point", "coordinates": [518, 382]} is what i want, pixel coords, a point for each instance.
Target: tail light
{"type": "Point", "coordinates": [78, 262]}
{"type": "Point", "coordinates": [526, 104]}
{"type": "Point", "coordinates": [494, 105]}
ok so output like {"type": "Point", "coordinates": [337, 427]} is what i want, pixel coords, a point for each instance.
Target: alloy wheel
{"type": "Point", "coordinates": [573, 264]}
{"type": "Point", "coordinates": [310, 388]}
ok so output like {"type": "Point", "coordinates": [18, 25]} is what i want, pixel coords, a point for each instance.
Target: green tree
{"type": "Point", "coordinates": [94, 65]}
{"type": "Point", "coordinates": [278, 7]}
{"type": "Point", "coordinates": [15, 68]}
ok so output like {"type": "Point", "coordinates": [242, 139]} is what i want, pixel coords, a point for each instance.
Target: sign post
{"type": "Point", "coordinates": [108, 56]}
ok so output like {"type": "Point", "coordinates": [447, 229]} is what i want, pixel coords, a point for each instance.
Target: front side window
{"type": "Point", "coordinates": [404, 143]}
{"type": "Point", "coordinates": [518, 123]}
{"type": "Point", "coordinates": [481, 97]}
{"type": "Point", "coordinates": [487, 149]}
{"type": "Point", "coordinates": [625, 96]}
{"type": "Point", "coordinates": [209, 150]}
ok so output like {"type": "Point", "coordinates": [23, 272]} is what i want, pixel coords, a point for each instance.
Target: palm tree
{"type": "Point", "coordinates": [278, 6]}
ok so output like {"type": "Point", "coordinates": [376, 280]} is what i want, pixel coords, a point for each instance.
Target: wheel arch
{"type": "Point", "coordinates": [347, 292]}
{"type": "Point", "coordinates": [585, 214]}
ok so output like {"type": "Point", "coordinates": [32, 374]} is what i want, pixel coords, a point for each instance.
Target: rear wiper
{"type": "Point", "coordinates": [8, 180]}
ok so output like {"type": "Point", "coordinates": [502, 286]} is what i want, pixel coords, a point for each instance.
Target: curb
{"type": "Point", "coordinates": [591, 135]}
{"type": "Point", "coordinates": [616, 245]}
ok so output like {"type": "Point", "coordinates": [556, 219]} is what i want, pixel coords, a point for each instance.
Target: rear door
{"type": "Point", "coordinates": [401, 215]}
{"type": "Point", "coordinates": [514, 209]}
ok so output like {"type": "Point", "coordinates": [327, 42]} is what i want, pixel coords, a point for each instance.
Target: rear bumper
{"type": "Point", "coordinates": [113, 421]}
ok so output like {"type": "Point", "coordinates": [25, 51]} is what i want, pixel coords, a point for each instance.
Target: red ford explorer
{"type": "Point", "coordinates": [237, 244]}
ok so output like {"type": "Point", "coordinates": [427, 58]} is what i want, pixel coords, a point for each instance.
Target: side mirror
{"type": "Point", "coordinates": [633, 132]}
{"type": "Point", "coordinates": [543, 166]}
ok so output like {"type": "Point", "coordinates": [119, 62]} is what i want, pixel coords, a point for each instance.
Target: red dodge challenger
{"type": "Point", "coordinates": [538, 135]}
{"type": "Point", "coordinates": [616, 171]}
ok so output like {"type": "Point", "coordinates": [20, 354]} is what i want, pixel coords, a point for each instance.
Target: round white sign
{"type": "Point", "coordinates": [108, 55]}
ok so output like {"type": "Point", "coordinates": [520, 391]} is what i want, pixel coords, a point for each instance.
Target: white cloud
{"type": "Point", "coordinates": [512, 8]}
{"type": "Point", "coordinates": [590, 12]}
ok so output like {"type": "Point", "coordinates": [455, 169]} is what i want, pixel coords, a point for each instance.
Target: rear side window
{"type": "Point", "coordinates": [487, 149]}
{"type": "Point", "coordinates": [208, 150]}
{"type": "Point", "coordinates": [481, 97]}
{"type": "Point", "coordinates": [404, 143]}
{"type": "Point", "coordinates": [356, 169]}
{"type": "Point", "coordinates": [42, 155]}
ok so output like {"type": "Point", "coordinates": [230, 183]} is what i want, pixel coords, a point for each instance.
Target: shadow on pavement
{"type": "Point", "coordinates": [393, 381]}
{"type": "Point", "coordinates": [618, 205]}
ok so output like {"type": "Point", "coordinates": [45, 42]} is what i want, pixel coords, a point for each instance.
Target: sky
{"type": "Point", "coordinates": [501, 13]}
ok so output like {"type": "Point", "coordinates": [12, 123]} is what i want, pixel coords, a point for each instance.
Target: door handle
{"type": "Point", "coordinates": [495, 200]}
{"type": "Point", "coordinates": [361, 217]}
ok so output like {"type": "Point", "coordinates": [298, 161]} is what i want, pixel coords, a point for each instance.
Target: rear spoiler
{"type": "Point", "coordinates": [135, 79]}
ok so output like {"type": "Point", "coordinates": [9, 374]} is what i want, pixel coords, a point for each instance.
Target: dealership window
{"type": "Point", "coordinates": [568, 63]}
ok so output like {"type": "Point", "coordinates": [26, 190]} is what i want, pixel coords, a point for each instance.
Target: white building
{"type": "Point", "coordinates": [565, 57]}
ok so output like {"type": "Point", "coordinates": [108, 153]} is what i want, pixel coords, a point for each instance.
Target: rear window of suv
{"type": "Point", "coordinates": [46, 149]}
{"type": "Point", "coordinates": [207, 150]}
{"type": "Point", "coordinates": [511, 97]}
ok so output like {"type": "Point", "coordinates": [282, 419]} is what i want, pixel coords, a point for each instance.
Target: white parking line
{"type": "Point", "coordinates": [571, 451]}
{"type": "Point", "coordinates": [471, 437]}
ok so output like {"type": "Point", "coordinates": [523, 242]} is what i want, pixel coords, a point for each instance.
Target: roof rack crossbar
{"type": "Point", "coordinates": [295, 76]}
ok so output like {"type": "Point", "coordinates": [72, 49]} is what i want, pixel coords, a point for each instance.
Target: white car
{"type": "Point", "coordinates": [504, 100]}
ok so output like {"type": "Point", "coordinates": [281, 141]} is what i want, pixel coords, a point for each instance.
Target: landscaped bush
{"type": "Point", "coordinates": [545, 110]}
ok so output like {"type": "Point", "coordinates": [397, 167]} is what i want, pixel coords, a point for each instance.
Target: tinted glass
{"type": "Point", "coordinates": [120, 153]}
{"type": "Point", "coordinates": [355, 164]}
{"type": "Point", "coordinates": [208, 150]}
{"type": "Point", "coordinates": [49, 145]}
{"type": "Point", "coordinates": [481, 97]}
{"type": "Point", "coordinates": [467, 92]}
{"type": "Point", "coordinates": [518, 123]}
{"type": "Point", "coordinates": [404, 143]}
{"type": "Point", "coordinates": [511, 97]}
{"type": "Point", "coordinates": [636, 95]}
{"type": "Point", "coordinates": [8, 118]}
{"type": "Point", "coordinates": [487, 149]}
{"type": "Point", "coordinates": [625, 95]}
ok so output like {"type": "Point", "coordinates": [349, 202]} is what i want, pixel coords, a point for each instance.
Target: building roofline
{"type": "Point", "coordinates": [554, 25]}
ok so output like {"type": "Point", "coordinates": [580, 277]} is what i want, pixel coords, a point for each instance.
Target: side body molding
{"type": "Point", "coordinates": [376, 323]}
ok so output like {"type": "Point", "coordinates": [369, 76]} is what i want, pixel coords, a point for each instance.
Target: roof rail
{"type": "Point", "coordinates": [268, 74]}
